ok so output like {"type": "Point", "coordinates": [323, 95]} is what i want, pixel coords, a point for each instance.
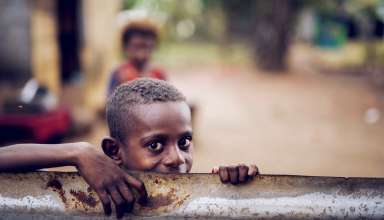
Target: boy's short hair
{"type": "Point", "coordinates": [136, 92]}
{"type": "Point", "coordinates": [142, 27]}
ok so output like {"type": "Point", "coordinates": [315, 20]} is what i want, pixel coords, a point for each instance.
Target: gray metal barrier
{"type": "Point", "coordinates": [54, 195]}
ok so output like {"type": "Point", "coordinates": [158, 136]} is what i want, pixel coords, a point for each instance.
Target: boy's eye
{"type": "Point", "coordinates": [184, 143]}
{"type": "Point", "coordinates": [156, 146]}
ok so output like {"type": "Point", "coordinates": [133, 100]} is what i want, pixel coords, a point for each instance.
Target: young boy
{"type": "Point", "coordinates": [139, 39]}
{"type": "Point", "coordinates": [150, 130]}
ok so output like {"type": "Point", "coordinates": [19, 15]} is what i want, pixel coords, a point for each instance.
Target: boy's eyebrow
{"type": "Point", "coordinates": [152, 136]}
{"type": "Point", "coordinates": [162, 136]}
{"type": "Point", "coordinates": [187, 133]}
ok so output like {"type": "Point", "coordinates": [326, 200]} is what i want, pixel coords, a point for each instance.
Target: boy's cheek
{"type": "Point", "coordinates": [189, 168]}
{"type": "Point", "coordinates": [141, 163]}
{"type": "Point", "coordinates": [189, 158]}
{"type": "Point", "coordinates": [189, 163]}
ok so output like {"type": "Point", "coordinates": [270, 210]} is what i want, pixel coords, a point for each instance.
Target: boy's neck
{"type": "Point", "coordinates": [139, 66]}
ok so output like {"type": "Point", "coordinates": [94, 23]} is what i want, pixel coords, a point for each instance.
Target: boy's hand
{"type": "Point", "coordinates": [236, 174]}
{"type": "Point", "coordinates": [109, 181]}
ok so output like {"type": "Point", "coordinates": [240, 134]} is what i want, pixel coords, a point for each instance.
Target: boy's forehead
{"type": "Point", "coordinates": [172, 115]}
{"type": "Point", "coordinates": [139, 38]}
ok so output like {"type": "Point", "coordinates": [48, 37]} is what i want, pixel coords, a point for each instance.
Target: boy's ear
{"type": "Point", "coordinates": [112, 149]}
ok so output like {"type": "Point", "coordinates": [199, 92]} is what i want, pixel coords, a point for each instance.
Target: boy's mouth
{"type": "Point", "coordinates": [179, 169]}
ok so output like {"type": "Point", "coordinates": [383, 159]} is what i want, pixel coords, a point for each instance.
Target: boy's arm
{"type": "Point", "coordinates": [28, 157]}
{"type": "Point", "coordinates": [101, 173]}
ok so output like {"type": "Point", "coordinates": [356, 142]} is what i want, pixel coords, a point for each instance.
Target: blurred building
{"type": "Point", "coordinates": [59, 42]}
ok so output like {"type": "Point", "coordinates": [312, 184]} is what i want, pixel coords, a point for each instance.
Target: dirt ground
{"type": "Point", "coordinates": [302, 122]}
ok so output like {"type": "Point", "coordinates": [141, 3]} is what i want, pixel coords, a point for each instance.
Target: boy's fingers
{"type": "Point", "coordinates": [139, 186]}
{"type": "Point", "coordinates": [243, 173]}
{"type": "Point", "coordinates": [104, 198]}
{"type": "Point", "coordinates": [223, 173]}
{"type": "Point", "coordinates": [233, 172]}
{"type": "Point", "coordinates": [215, 170]}
{"type": "Point", "coordinates": [118, 200]}
{"type": "Point", "coordinates": [253, 170]}
{"type": "Point", "coordinates": [127, 196]}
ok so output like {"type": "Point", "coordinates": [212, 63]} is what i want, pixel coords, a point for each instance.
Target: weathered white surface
{"type": "Point", "coordinates": [31, 202]}
{"type": "Point", "coordinates": [311, 204]}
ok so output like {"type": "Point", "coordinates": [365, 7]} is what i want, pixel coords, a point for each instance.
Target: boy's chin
{"type": "Point", "coordinates": [162, 169]}
{"type": "Point", "coordinates": [180, 169]}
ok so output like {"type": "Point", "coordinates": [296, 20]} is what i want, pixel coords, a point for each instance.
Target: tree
{"type": "Point", "coordinates": [272, 30]}
{"type": "Point", "coordinates": [266, 25]}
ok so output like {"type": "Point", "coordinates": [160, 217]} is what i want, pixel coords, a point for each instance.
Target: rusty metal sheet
{"type": "Point", "coordinates": [54, 195]}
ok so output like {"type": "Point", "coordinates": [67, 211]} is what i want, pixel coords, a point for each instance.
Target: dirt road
{"type": "Point", "coordinates": [299, 123]}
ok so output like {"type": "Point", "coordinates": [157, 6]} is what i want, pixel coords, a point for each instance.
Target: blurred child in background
{"type": "Point", "coordinates": [139, 39]}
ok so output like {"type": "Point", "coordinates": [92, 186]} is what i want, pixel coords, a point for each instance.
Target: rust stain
{"type": "Point", "coordinates": [85, 199]}
{"type": "Point", "coordinates": [160, 200]}
{"type": "Point", "coordinates": [55, 184]}
{"type": "Point", "coordinates": [163, 200]}
{"type": "Point", "coordinates": [57, 187]}
{"type": "Point", "coordinates": [181, 201]}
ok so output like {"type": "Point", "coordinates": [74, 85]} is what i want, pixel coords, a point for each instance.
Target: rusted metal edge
{"type": "Point", "coordinates": [57, 195]}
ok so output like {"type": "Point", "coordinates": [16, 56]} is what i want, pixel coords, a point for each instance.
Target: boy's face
{"type": "Point", "coordinates": [140, 48]}
{"type": "Point", "coordinates": [160, 140]}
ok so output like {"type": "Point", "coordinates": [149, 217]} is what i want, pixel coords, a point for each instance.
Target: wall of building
{"type": "Point", "coordinates": [100, 51]}
{"type": "Point", "coordinates": [15, 65]}
{"type": "Point", "coordinates": [44, 48]}
{"type": "Point", "coordinates": [29, 45]}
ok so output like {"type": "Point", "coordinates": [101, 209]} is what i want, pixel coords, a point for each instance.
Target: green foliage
{"type": "Point", "coordinates": [184, 19]}
{"type": "Point", "coordinates": [354, 8]}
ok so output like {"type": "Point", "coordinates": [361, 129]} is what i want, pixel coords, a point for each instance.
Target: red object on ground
{"type": "Point", "coordinates": [42, 126]}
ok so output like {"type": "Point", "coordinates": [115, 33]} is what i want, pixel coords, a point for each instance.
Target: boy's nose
{"type": "Point", "coordinates": [174, 158]}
